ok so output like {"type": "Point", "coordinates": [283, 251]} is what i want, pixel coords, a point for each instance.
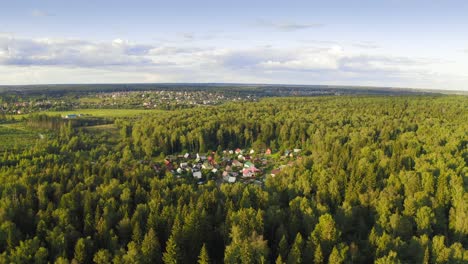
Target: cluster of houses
{"type": "Point", "coordinates": [234, 165]}
{"type": "Point", "coordinates": [19, 108]}
{"type": "Point", "coordinates": [155, 99]}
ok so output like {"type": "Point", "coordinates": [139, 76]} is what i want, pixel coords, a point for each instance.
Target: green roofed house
{"type": "Point", "coordinates": [248, 164]}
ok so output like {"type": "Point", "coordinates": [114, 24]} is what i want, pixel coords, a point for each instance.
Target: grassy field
{"type": "Point", "coordinates": [16, 135]}
{"type": "Point", "coordinates": [111, 129]}
{"type": "Point", "coordinates": [111, 113]}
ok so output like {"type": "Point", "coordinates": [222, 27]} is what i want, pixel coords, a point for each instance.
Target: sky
{"type": "Point", "coordinates": [391, 43]}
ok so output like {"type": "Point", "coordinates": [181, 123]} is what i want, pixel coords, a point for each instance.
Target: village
{"type": "Point", "coordinates": [165, 100]}
{"type": "Point", "coordinates": [231, 166]}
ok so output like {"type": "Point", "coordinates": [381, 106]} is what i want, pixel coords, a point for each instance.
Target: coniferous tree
{"type": "Point", "coordinates": [171, 255]}
{"type": "Point", "coordinates": [150, 248]}
{"type": "Point", "coordinates": [203, 258]}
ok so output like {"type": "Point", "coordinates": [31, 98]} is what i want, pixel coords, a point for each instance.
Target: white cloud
{"type": "Point", "coordinates": [29, 61]}
{"type": "Point", "coordinates": [71, 52]}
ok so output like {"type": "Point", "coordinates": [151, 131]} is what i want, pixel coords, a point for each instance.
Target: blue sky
{"type": "Point", "coordinates": [421, 44]}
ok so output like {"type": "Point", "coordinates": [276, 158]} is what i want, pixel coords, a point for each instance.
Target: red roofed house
{"type": "Point", "coordinates": [249, 172]}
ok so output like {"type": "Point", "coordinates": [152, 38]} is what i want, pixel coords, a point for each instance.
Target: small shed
{"type": "Point", "coordinates": [197, 174]}
{"type": "Point", "coordinates": [232, 179]}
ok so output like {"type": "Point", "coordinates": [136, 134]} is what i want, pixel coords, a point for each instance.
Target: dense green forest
{"type": "Point", "coordinates": [378, 180]}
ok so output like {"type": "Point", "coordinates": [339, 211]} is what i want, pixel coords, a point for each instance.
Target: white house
{"type": "Point", "coordinates": [232, 179]}
{"type": "Point", "coordinates": [197, 174]}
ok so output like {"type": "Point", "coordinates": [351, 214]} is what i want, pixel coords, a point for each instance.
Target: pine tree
{"type": "Point", "coordinates": [426, 256]}
{"type": "Point", "coordinates": [309, 250]}
{"type": "Point", "coordinates": [203, 258]}
{"type": "Point", "coordinates": [279, 260]}
{"type": "Point", "coordinates": [172, 255]}
{"type": "Point", "coordinates": [295, 254]}
{"type": "Point", "coordinates": [136, 233]}
{"type": "Point", "coordinates": [150, 248]}
{"type": "Point", "coordinates": [102, 257]}
{"type": "Point", "coordinates": [283, 247]}
{"type": "Point", "coordinates": [318, 256]}
{"type": "Point", "coordinates": [80, 250]}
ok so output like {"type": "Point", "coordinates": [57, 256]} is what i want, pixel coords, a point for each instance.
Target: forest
{"type": "Point", "coordinates": [378, 179]}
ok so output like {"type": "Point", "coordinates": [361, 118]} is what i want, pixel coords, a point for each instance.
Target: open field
{"type": "Point", "coordinates": [110, 113]}
{"type": "Point", "coordinates": [16, 135]}
{"type": "Point", "coordinates": [111, 129]}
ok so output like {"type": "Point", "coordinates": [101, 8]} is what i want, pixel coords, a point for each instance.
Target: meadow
{"type": "Point", "coordinates": [102, 113]}
{"type": "Point", "coordinates": [17, 135]}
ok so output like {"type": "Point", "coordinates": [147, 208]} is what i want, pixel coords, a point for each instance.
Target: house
{"type": "Point", "coordinates": [248, 164]}
{"type": "Point", "coordinates": [211, 160]}
{"type": "Point", "coordinates": [214, 170]}
{"type": "Point", "coordinates": [268, 151]}
{"type": "Point", "coordinates": [70, 116]}
{"type": "Point", "coordinates": [238, 151]}
{"type": "Point", "coordinates": [207, 166]}
{"type": "Point", "coordinates": [168, 164]}
{"type": "Point", "coordinates": [252, 151]}
{"type": "Point", "coordinates": [236, 163]}
{"type": "Point", "coordinates": [246, 173]}
{"type": "Point", "coordinates": [240, 157]}
{"type": "Point", "coordinates": [249, 172]}
{"type": "Point", "coordinates": [197, 174]}
{"type": "Point", "coordinates": [231, 152]}
{"type": "Point", "coordinates": [232, 179]}
{"type": "Point", "coordinates": [187, 155]}
{"type": "Point", "coordinates": [228, 168]}
{"type": "Point", "coordinates": [297, 150]}
{"type": "Point", "coordinates": [183, 165]}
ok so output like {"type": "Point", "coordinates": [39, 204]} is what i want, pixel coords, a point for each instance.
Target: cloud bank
{"type": "Point", "coordinates": [25, 61]}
